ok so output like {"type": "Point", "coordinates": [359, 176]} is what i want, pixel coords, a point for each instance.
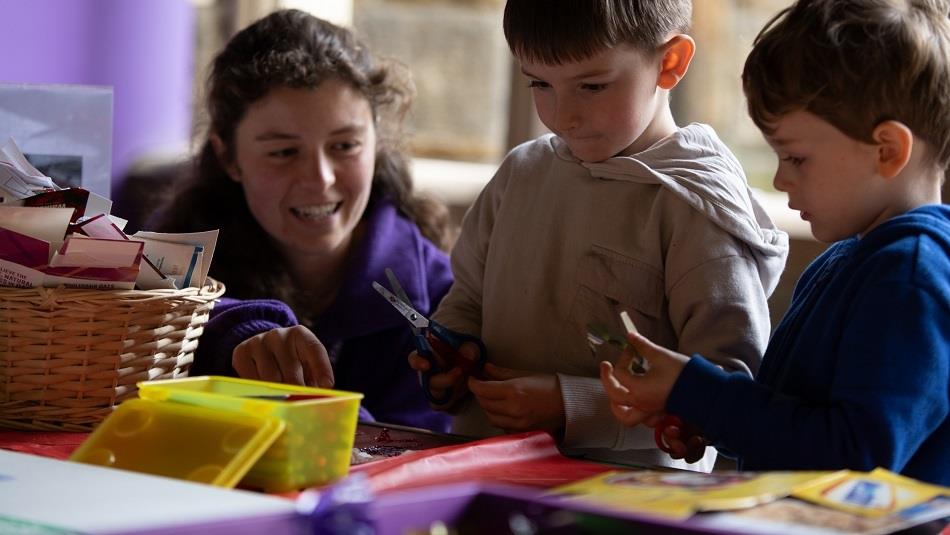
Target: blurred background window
{"type": "Point", "coordinates": [472, 102]}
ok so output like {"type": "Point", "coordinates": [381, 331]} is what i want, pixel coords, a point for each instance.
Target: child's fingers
{"type": "Point", "coordinates": [678, 450]}
{"type": "Point", "coordinates": [488, 390]}
{"type": "Point", "coordinates": [469, 351]}
{"type": "Point", "coordinates": [446, 380]}
{"type": "Point", "coordinates": [654, 419]}
{"type": "Point", "coordinates": [418, 363]}
{"type": "Point", "coordinates": [647, 349]}
{"type": "Point", "coordinates": [672, 437]}
{"type": "Point", "coordinates": [617, 392]}
{"type": "Point", "coordinates": [695, 448]}
{"type": "Point", "coordinates": [640, 342]}
{"type": "Point", "coordinates": [499, 407]}
{"type": "Point", "coordinates": [685, 443]}
{"type": "Point", "coordinates": [622, 369]}
{"type": "Point", "coordinates": [627, 415]}
{"type": "Point", "coordinates": [500, 373]}
{"type": "Point", "coordinates": [606, 369]}
{"type": "Point", "coordinates": [504, 422]}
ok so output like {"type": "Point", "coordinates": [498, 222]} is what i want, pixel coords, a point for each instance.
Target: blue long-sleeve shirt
{"type": "Point", "coordinates": [367, 340]}
{"type": "Point", "coordinates": [857, 374]}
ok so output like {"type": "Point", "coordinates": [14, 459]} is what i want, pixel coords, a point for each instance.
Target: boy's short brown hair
{"type": "Point", "coordinates": [855, 64]}
{"type": "Point", "coordinates": [558, 31]}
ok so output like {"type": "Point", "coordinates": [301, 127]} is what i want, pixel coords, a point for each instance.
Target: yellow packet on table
{"type": "Point", "coordinates": [680, 494]}
{"type": "Point", "coordinates": [870, 494]}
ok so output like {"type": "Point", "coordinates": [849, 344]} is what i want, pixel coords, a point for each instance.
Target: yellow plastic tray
{"type": "Point", "coordinates": [316, 445]}
{"type": "Point", "coordinates": [180, 441]}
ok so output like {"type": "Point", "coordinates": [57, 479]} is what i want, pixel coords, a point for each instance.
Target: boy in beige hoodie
{"type": "Point", "coordinates": [618, 209]}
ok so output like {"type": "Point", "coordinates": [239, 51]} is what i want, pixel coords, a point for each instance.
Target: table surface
{"type": "Point", "coordinates": [379, 440]}
{"type": "Point", "coordinates": [402, 451]}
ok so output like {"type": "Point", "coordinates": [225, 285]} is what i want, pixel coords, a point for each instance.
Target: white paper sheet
{"type": "Point", "coordinates": [93, 499]}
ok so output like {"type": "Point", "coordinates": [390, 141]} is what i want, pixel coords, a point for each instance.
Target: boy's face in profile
{"type": "Point", "coordinates": [829, 177]}
{"type": "Point", "coordinates": [602, 106]}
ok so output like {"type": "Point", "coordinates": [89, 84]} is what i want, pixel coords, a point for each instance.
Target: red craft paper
{"type": "Point", "coordinates": [58, 444]}
{"type": "Point", "coordinates": [524, 459]}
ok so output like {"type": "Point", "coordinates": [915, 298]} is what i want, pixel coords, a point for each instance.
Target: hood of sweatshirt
{"type": "Point", "coordinates": [931, 220]}
{"type": "Point", "coordinates": [697, 166]}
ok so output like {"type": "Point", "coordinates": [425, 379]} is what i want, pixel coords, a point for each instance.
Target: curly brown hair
{"type": "Point", "coordinates": [290, 48]}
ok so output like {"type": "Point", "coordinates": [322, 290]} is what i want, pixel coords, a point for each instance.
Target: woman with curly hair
{"type": "Point", "coordinates": [303, 173]}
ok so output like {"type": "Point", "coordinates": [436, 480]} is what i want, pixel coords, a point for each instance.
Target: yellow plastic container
{"type": "Point", "coordinates": [317, 441]}
{"type": "Point", "coordinates": [180, 441]}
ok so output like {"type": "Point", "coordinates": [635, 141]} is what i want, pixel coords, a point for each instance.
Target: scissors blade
{"type": "Point", "coordinates": [417, 320]}
{"type": "Point", "coordinates": [397, 288]}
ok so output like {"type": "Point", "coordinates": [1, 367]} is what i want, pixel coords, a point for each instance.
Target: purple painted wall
{"type": "Point", "coordinates": [144, 49]}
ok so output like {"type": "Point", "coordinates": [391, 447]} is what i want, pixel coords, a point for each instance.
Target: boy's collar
{"type": "Point", "coordinates": [563, 151]}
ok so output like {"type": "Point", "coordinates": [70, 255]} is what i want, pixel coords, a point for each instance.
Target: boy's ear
{"type": "Point", "coordinates": [894, 143]}
{"type": "Point", "coordinates": [221, 153]}
{"type": "Point", "coordinates": [676, 55]}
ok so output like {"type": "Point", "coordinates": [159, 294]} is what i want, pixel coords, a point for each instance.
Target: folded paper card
{"type": "Point", "coordinates": [105, 227]}
{"type": "Point", "coordinates": [78, 262]}
{"type": "Point", "coordinates": [51, 236]}
{"type": "Point", "coordinates": [86, 203]}
{"type": "Point", "coordinates": [161, 250]}
{"type": "Point", "coordinates": [46, 224]}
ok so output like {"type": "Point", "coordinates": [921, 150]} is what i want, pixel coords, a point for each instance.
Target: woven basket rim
{"type": "Point", "coordinates": [212, 289]}
{"type": "Point", "coordinates": [69, 355]}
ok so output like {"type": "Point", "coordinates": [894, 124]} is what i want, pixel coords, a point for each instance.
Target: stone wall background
{"type": "Point", "coordinates": [467, 98]}
{"type": "Point", "coordinates": [460, 64]}
{"type": "Point", "coordinates": [473, 104]}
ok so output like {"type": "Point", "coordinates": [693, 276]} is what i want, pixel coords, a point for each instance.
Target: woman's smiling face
{"type": "Point", "coordinates": [305, 158]}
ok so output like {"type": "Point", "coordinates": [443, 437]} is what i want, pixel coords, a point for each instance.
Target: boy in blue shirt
{"type": "Point", "coordinates": [854, 98]}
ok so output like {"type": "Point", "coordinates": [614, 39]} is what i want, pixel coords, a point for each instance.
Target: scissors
{"type": "Point", "coordinates": [687, 431]}
{"type": "Point", "coordinates": [434, 342]}
{"type": "Point", "coordinates": [598, 335]}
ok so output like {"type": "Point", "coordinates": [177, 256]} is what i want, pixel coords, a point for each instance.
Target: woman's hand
{"type": "Point", "coordinates": [290, 355]}
{"type": "Point", "coordinates": [516, 400]}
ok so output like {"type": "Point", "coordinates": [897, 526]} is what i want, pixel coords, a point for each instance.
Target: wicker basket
{"type": "Point", "coordinates": [69, 356]}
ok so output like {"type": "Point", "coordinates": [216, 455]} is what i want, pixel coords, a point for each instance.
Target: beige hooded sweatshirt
{"type": "Point", "coordinates": [672, 234]}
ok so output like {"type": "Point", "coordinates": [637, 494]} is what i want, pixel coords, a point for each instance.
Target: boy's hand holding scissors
{"type": "Point", "coordinates": [441, 354]}
{"type": "Point", "coordinates": [517, 400]}
{"type": "Point", "coordinates": [641, 397]}
{"type": "Point", "coordinates": [451, 384]}
{"type": "Point", "coordinates": [290, 355]}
